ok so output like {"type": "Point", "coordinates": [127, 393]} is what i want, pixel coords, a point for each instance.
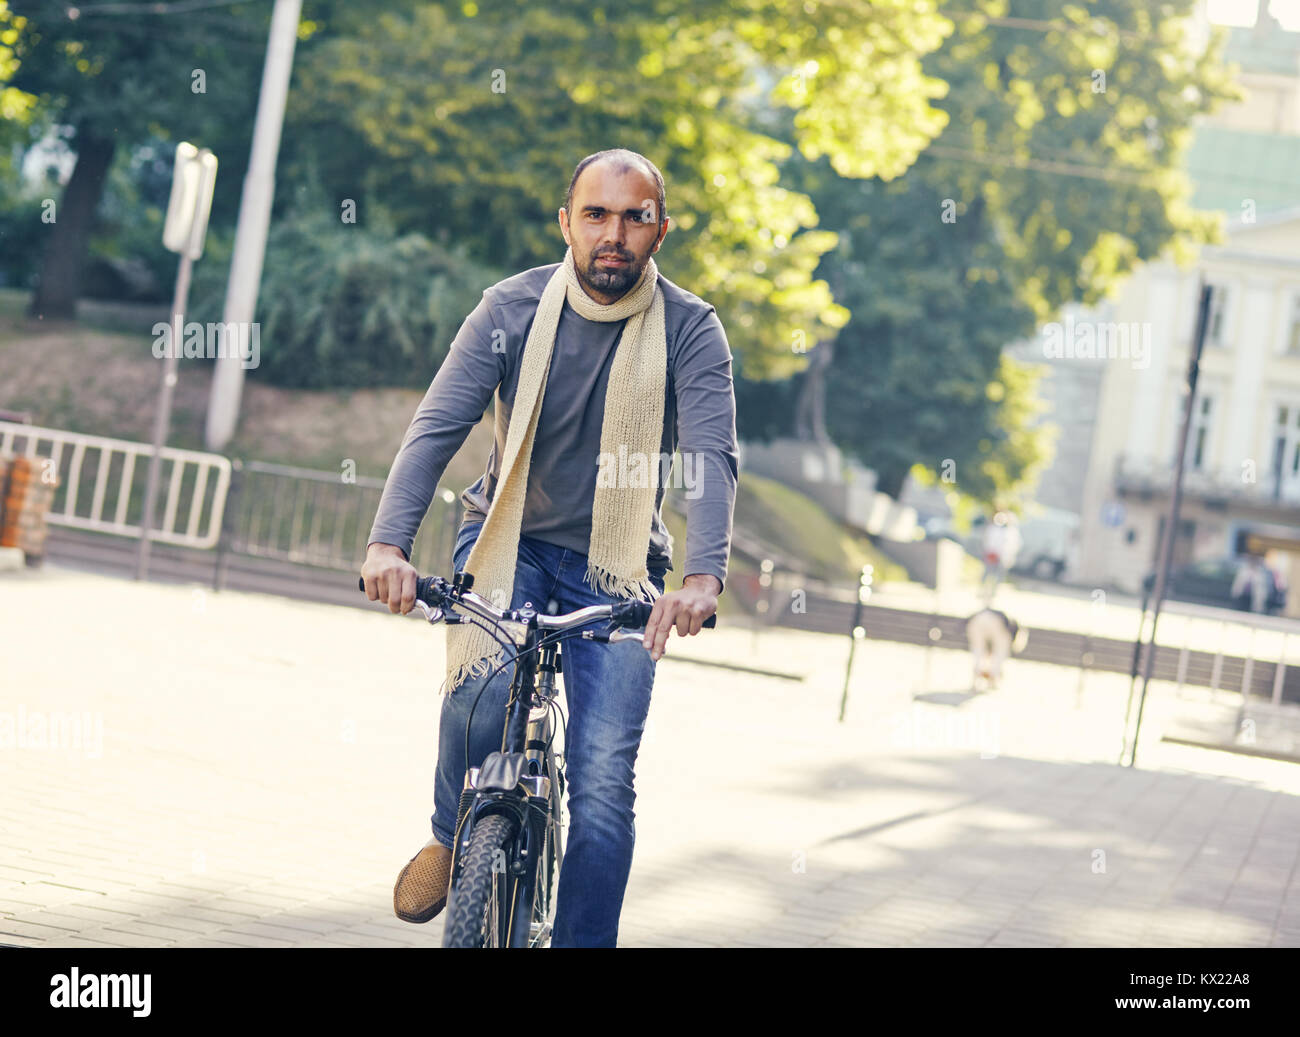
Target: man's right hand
{"type": "Point", "coordinates": [389, 577]}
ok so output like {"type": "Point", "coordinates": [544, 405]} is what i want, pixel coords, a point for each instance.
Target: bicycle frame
{"type": "Point", "coordinates": [523, 780]}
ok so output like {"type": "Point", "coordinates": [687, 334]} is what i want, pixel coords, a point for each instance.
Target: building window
{"type": "Point", "coordinates": [1216, 332]}
{"type": "Point", "coordinates": [1198, 436]}
{"type": "Point", "coordinates": [1293, 327]}
{"type": "Point", "coordinates": [1286, 450]}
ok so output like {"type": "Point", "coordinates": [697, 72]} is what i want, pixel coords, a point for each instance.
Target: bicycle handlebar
{"type": "Point", "coordinates": [434, 591]}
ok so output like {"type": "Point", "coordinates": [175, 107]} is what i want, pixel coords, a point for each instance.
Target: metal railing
{"type": "Point", "coordinates": [267, 511]}
{"type": "Point", "coordinates": [320, 518]}
{"type": "Point", "coordinates": [195, 484]}
{"type": "Point", "coordinates": [1142, 473]}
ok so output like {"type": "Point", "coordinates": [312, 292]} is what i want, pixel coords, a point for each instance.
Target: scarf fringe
{"type": "Point", "coordinates": [474, 668]}
{"type": "Point", "coordinates": [602, 579]}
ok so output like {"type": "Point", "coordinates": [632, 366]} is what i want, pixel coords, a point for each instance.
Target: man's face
{"type": "Point", "coordinates": [614, 228]}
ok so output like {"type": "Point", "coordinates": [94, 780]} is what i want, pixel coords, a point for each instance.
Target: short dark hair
{"type": "Point", "coordinates": [623, 160]}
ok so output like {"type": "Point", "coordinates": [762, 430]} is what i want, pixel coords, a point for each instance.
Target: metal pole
{"type": "Point", "coordinates": [1247, 676]}
{"type": "Point", "coordinates": [229, 523]}
{"type": "Point", "coordinates": [1132, 675]}
{"type": "Point", "coordinates": [1279, 673]}
{"type": "Point", "coordinates": [856, 631]}
{"type": "Point", "coordinates": [762, 607]}
{"type": "Point", "coordinates": [1085, 660]}
{"type": "Point", "coordinates": [1175, 503]}
{"type": "Point", "coordinates": [254, 218]}
{"type": "Point", "coordinates": [848, 668]}
{"type": "Point", "coordinates": [163, 415]}
{"type": "Point", "coordinates": [930, 639]}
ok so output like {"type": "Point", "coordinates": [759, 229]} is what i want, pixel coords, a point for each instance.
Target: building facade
{"type": "Point", "coordinates": [1242, 466]}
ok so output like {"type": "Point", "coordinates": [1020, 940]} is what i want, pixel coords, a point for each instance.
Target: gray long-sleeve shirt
{"type": "Point", "coordinates": [699, 418]}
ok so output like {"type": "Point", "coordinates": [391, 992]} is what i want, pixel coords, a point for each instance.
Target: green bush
{"type": "Point", "coordinates": [347, 306]}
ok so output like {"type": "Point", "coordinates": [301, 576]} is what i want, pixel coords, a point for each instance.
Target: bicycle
{"type": "Point", "coordinates": [509, 844]}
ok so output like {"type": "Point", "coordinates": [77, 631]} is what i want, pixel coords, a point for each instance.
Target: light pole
{"type": "Point", "coordinates": [254, 219]}
{"type": "Point", "coordinates": [1175, 506]}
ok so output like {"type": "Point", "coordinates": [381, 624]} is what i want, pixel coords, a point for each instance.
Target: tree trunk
{"type": "Point", "coordinates": [810, 410]}
{"type": "Point", "coordinates": [59, 285]}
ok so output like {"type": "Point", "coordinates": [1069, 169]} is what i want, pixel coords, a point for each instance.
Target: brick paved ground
{"type": "Point", "coordinates": [255, 771]}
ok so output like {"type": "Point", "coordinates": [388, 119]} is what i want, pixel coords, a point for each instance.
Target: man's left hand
{"type": "Point", "coordinates": [685, 609]}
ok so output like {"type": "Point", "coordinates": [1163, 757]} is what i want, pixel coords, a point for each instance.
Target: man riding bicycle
{"type": "Point", "coordinates": [596, 364]}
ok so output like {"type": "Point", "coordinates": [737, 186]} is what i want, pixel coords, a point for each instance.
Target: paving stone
{"type": "Point", "coordinates": [194, 837]}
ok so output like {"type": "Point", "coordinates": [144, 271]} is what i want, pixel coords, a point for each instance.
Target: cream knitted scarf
{"type": "Point", "coordinates": [633, 421]}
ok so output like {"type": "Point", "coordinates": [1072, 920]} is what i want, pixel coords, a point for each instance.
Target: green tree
{"type": "Point", "coordinates": [1058, 170]}
{"type": "Point", "coordinates": [467, 119]}
{"type": "Point", "coordinates": [1069, 124]}
{"type": "Point", "coordinates": [113, 79]}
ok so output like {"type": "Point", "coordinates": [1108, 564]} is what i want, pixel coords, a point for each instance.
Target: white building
{"type": "Point", "coordinates": [1243, 452]}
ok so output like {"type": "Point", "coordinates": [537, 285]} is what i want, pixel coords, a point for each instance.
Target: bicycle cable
{"type": "Point", "coordinates": [514, 660]}
{"type": "Point", "coordinates": [542, 642]}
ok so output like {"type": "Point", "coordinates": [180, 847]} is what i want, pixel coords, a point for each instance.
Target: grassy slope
{"type": "Point", "coordinates": [88, 379]}
{"type": "Point", "coordinates": [794, 523]}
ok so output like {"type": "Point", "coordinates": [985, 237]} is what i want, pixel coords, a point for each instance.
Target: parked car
{"type": "Point", "coordinates": [1046, 540]}
{"type": "Point", "coordinates": [1210, 582]}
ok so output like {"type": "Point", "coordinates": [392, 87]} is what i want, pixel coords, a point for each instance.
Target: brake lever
{"type": "Point", "coordinates": [432, 614]}
{"type": "Point", "coordinates": [613, 636]}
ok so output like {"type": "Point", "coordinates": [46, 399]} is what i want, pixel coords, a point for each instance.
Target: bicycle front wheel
{"type": "Point", "coordinates": [481, 898]}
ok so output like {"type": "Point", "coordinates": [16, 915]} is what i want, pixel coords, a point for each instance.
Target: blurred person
{"type": "Point", "coordinates": [993, 636]}
{"type": "Point", "coordinates": [595, 350]}
{"type": "Point", "coordinates": [1073, 547]}
{"type": "Point", "coordinates": [1000, 546]}
{"type": "Point", "coordinates": [1253, 578]}
{"type": "Point", "coordinates": [1279, 564]}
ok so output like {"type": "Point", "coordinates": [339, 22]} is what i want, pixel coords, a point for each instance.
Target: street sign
{"type": "Point", "coordinates": [183, 232]}
{"type": "Point", "coordinates": [193, 178]}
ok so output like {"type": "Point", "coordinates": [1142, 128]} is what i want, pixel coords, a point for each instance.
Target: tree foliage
{"type": "Point", "coordinates": [1069, 124]}
{"type": "Point", "coordinates": [1043, 188]}
{"type": "Point", "coordinates": [469, 119]}
{"type": "Point", "coordinates": [110, 79]}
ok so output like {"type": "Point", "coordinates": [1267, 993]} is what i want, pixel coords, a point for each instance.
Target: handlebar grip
{"type": "Point", "coordinates": [423, 587]}
{"type": "Point", "coordinates": [637, 614]}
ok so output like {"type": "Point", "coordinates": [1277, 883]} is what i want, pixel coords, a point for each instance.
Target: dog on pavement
{"type": "Point", "coordinates": [993, 637]}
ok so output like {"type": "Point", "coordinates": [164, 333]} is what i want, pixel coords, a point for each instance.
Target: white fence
{"type": "Point", "coordinates": [194, 483]}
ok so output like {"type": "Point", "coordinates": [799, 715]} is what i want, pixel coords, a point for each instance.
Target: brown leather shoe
{"type": "Point", "coordinates": [421, 889]}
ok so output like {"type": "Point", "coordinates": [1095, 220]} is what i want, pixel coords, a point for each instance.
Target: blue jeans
{"type": "Point", "coordinates": [607, 691]}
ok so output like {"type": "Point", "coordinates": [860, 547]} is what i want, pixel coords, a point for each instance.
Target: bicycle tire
{"type": "Point", "coordinates": [478, 881]}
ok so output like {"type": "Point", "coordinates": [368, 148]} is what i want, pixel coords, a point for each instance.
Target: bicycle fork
{"type": "Point", "coordinates": [520, 786]}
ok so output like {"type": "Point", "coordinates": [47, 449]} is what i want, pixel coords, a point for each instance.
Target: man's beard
{"type": "Point", "coordinates": [611, 280]}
